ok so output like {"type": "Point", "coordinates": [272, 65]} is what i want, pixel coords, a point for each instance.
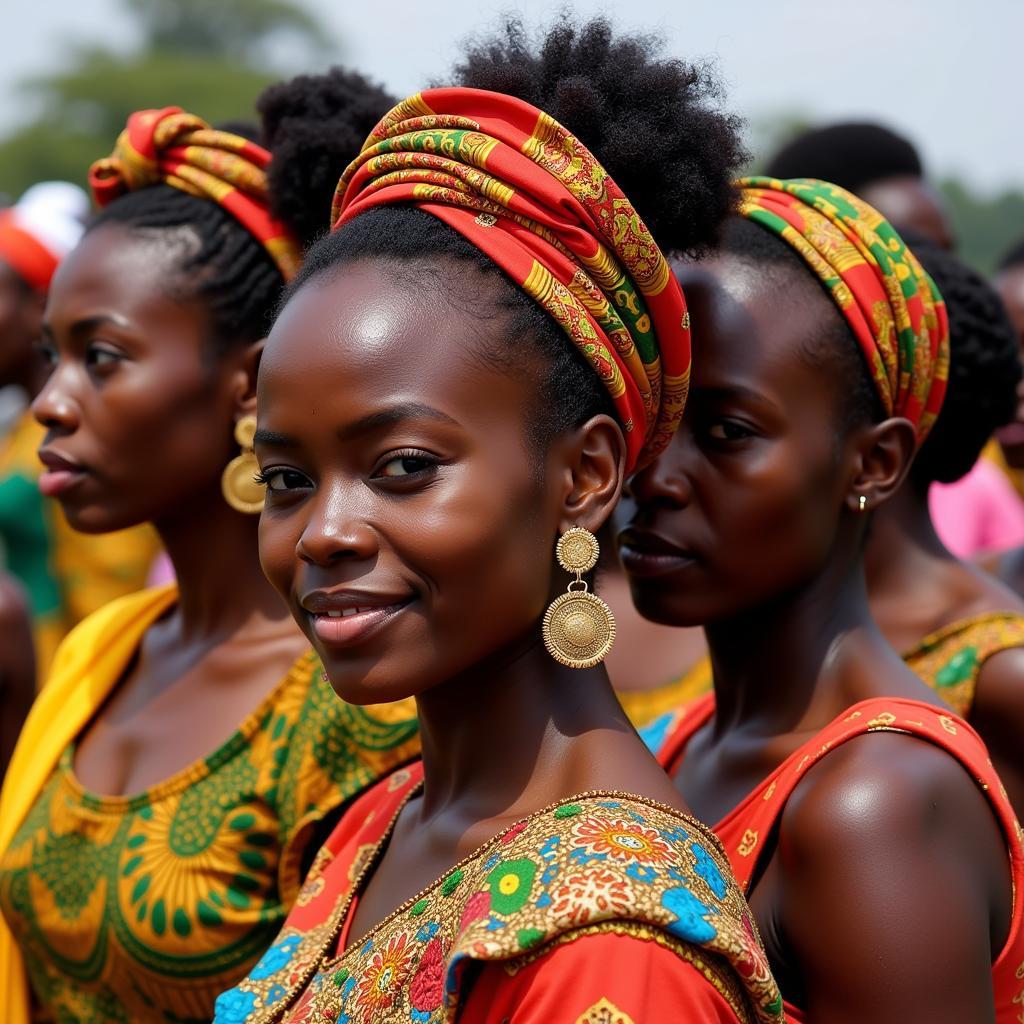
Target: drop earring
{"type": "Point", "coordinates": [238, 481]}
{"type": "Point", "coordinates": [862, 503]}
{"type": "Point", "coordinates": [579, 628]}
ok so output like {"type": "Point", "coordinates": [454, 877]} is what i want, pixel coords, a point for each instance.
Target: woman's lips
{"type": "Point", "coordinates": [352, 625]}
{"type": "Point", "coordinates": [60, 475]}
{"type": "Point", "coordinates": [646, 555]}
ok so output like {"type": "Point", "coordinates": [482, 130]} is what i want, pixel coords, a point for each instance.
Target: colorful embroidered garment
{"type": "Point", "coordinates": [891, 304]}
{"type": "Point", "coordinates": [529, 195]}
{"type": "Point", "coordinates": [66, 575]}
{"type": "Point", "coordinates": [144, 908]}
{"type": "Point", "coordinates": [174, 148]}
{"type": "Point", "coordinates": [950, 659]}
{"type": "Point", "coordinates": [747, 830]}
{"type": "Point", "coordinates": [617, 886]}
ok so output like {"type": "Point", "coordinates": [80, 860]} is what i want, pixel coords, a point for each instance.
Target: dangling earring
{"type": "Point", "coordinates": [238, 481]}
{"type": "Point", "coordinates": [579, 628]}
{"type": "Point", "coordinates": [862, 503]}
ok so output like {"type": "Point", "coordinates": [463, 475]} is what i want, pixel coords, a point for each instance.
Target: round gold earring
{"type": "Point", "coordinates": [238, 481]}
{"type": "Point", "coordinates": [579, 628]}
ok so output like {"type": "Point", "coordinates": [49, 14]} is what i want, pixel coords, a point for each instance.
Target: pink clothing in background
{"type": "Point", "coordinates": [980, 512]}
{"type": "Point", "coordinates": [162, 571]}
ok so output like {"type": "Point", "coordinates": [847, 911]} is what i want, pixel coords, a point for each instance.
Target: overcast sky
{"type": "Point", "coordinates": [946, 72]}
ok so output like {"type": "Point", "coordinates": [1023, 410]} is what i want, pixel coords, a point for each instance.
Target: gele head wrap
{"type": "Point", "coordinates": [892, 306]}
{"type": "Point", "coordinates": [174, 148]}
{"type": "Point", "coordinates": [529, 195]}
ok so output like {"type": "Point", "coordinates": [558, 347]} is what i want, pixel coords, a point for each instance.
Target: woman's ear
{"type": "Point", "coordinates": [884, 453]}
{"type": "Point", "coordinates": [594, 468]}
{"type": "Point", "coordinates": [244, 378]}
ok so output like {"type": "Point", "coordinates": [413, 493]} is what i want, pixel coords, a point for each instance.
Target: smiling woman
{"type": "Point", "coordinates": [172, 781]}
{"type": "Point", "coordinates": [461, 374]}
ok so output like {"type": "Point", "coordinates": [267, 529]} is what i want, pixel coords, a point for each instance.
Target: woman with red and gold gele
{"type": "Point", "coordinates": [488, 340]}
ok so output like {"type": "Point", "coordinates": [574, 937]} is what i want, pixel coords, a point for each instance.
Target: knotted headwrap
{"type": "Point", "coordinates": [891, 304]}
{"type": "Point", "coordinates": [172, 147]}
{"type": "Point", "coordinates": [528, 194]}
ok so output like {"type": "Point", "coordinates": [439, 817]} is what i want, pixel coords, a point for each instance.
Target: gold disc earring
{"type": "Point", "coordinates": [238, 481]}
{"type": "Point", "coordinates": [579, 628]}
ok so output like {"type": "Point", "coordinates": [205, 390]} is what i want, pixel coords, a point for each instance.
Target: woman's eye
{"type": "Point", "coordinates": [99, 357]}
{"type": "Point", "coordinates": [277, 480]}
{"type": "Point", "coordinates": [728, 430]}
{"type": "Point", "coordinates": [48, 353]}
{"type": "Point", "coordinates": [404, 465]}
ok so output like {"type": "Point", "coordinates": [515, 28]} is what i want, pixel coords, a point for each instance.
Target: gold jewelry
{"type": "Point", "coordinates": [579, 628]}
{"type": "Point", "coordinates": [862, 503]}
{"type": "Point", "coordinates": [238, 481]}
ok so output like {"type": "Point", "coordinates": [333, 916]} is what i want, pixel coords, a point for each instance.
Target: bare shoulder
{"type": "Point", "coordinates": [868, 841]}
{"type": "Point", "coordinates": [907, 787]}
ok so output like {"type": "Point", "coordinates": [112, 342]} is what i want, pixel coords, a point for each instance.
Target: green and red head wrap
{"type": "Point", "coordinates": [529, 195]}
{"type": "Point", "coordinates": [175, 148]}
{"type": "Point", "coordinates": [891, 304]}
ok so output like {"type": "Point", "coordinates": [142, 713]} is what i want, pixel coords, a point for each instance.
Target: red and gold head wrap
{"type": "Point", "coordinates": [529, 195]}
{"type": "Point", "coordinates": [172, 147]}
{"type": "Point", "coordinates": [893, 307]}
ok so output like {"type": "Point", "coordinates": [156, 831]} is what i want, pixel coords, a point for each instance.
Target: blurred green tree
{"type": "Point", "coordinates": [985, 227]}
{"type": "Point", "coordinates": [212, 58]}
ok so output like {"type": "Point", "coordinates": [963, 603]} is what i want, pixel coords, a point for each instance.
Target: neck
{"type": "Point", "coordinates": [903, 544]}
{"type": "Point", "coordinates": [778, 667]}
{"type": "Point", "coordinates": [215, 554]}
{"type": "Point", "coordinates": [506, 723]}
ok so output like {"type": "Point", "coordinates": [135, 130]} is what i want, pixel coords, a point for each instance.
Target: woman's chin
{"type": "Point", "coordinates": [363, 690]}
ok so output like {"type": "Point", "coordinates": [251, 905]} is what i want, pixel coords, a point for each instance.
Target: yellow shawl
{"type": "Point", "coordinates": [85, 669]}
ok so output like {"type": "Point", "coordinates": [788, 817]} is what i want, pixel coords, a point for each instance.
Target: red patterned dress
{"type": "Point", "coordinates": [747, 828]}
{"type": "Point", "coordinates": [601, 909]}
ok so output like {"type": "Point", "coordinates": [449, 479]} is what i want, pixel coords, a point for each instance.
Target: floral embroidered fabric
{"type": "Point", "coordinates": [588, 865]}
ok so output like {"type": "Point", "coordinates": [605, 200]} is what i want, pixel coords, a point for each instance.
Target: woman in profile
{"type": "Point", "coordinates": [863, 820]}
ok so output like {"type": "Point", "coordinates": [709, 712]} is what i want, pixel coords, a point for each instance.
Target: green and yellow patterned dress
{"type": "Point", "coordinates": [145, 908]}
{"type": "Point", "coordinates": [950, 659]}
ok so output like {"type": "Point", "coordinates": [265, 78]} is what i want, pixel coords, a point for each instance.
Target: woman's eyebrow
{"type": "Point", "coordinates": [393, 414]}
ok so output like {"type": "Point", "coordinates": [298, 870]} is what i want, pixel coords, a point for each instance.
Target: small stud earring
{"type": "Point", "coordinates": [862, 503]}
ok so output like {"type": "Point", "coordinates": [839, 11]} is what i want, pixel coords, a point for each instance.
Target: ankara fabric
{"type": "Point", "coordinates": [172, 147]}
{"type": "Point", "coordinates": [891, 304]}
{"type": "Point", "coordinates": [143, 908]}
{"type": "Point", "coordinates": [529, 195]}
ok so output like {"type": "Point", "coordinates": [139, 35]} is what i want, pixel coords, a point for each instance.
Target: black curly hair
{"type": "Point", "coordinates": [834, 351]}
{"type": "Point", "coordinates": [655, 127]}
{"type": "Point", "coordinates": [851, 154]}
{"type": "Point", "coordinates": [221, 263]}
{"type": "Point", "coordinates": [984, 369]}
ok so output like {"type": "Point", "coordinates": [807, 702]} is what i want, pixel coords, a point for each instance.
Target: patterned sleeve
{"type": "Point", "coordinates": [603, 978]}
